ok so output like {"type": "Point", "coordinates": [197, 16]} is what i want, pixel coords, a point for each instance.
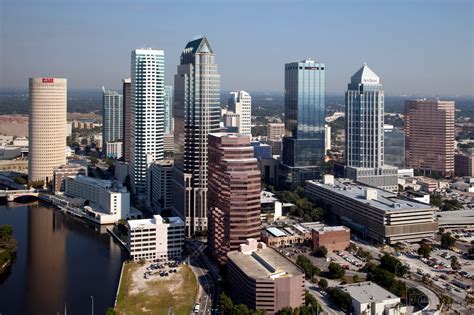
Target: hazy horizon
{"type": "Point", "coordinates": [416, 47]}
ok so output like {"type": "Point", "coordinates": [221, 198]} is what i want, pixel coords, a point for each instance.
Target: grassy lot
{"type": "Point", "coordinates": [157, 296]}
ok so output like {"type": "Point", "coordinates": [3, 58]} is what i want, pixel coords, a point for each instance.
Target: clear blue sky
{"type": "Point", "coordinates": [416, 47]}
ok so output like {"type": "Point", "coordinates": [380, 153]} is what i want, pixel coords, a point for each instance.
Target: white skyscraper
{"type": "Point", "coordinates": [148, 70]}
{"type": "Point", "coordinates": [240, 103]}
{"type": "Point", "coordinates": [364, 151]}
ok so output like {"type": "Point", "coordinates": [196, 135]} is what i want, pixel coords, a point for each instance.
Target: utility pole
{"type": "Point", "coordinates": [92, 305]}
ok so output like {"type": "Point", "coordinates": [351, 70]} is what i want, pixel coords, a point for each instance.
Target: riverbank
{"type": "Point", "coordinates": [7, 248]}
{"type": "Point", "coordinates": [155, 294]}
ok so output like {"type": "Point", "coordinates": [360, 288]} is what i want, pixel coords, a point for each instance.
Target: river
{"type": "Point", "coordinates": [61, 263]}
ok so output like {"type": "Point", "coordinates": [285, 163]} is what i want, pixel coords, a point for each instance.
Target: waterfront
{"type": "Point", "coordinates": [61, 262]}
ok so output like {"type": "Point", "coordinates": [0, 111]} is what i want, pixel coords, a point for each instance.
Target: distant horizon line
{"type": "Point", "coordinates": [99, 90]}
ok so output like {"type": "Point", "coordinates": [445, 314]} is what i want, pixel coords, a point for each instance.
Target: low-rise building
{"type": "Point", "coordinates": [121, 170]}
{"type": "Point", "coordinates": [106, 201]}
{"type": "Point", "coordinates": [331, 237]}
{"type": "Point", "coordinates": [158, 238]}
{"type": "Point", "coordinates": [375, 214]}
{"type": "Point", "coordinates": [370, 298]}
{"type": "Point", "coordinates": [60, 174]}
{"type": "Point", "coordinates": [261, 150]}
{"type": "Point", "coordinates": [9, 152]}
{"type": "Point", "coordinates": [262, 278]}
{"type": "Point", "coordinates": [464, 185]}
{"type": "Point", "coordinates": [277, 236]}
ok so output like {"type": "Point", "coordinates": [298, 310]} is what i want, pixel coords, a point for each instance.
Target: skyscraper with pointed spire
{"type": "Point", "coordinates": [364, 149]}
{"type": "Point", "coordinates": [196, 113]}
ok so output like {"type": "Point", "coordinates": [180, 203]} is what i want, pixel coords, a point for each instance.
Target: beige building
{"type": "Point", "coordinates": [264, 279]}
{"type": "Point", "coordinates": [47, 130]}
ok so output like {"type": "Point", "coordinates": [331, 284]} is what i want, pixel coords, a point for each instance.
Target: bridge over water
{"type": "Point", "coordinates": [13, 194]}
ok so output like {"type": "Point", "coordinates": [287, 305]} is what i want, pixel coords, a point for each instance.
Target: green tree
{"type": "Point", "coordinates": [6, 230]}
{"type": "Point", "coordinates": [455, 263]}
{"type": "Point", "coordinates": [94, 161]}
{"type": "Point", "coordinates": [286, 311]}
{"type": "Point", "coordinates": [226, 303]}
{"type": "Point", "coordinates": [240, 309]}
{"type": "Point", "coordinates": [355, 278]}
{"type": "Point", "coordinates": [436, 200]}
{"type": "Point", "coordinates": [310, 270]}
{"type": "Point", "coordinates": [424, 250]}
{"type": "Point", "coordinates": [335, 271]}
{"type": "Point", "coordinates": [20, 180]}
{"type": "Point", "coordinates": [111, 311]}
{"type": "Point", "coordinates": [320, 251]}
{"type": "Point", "coordinates": [392, 264]}
{"type": "Point", "coordinates": [323, 283]}
{"type": "Point", "coordinates": [447, 240]}
{"type": "Point", "coordinates": [36, 184]}
{"type": "Point", "coordinates": [340, 298]}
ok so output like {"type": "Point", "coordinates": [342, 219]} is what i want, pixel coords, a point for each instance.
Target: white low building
{"type": "Point", "coordinates": [157, 238]}
{"type": "Point", "coordinates": [109, 201]}
{"type": "Point", "coordinates": [370, 298]}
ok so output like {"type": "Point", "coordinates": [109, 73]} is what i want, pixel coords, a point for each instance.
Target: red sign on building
{"type": "Point", "coordinates": [48, 80]}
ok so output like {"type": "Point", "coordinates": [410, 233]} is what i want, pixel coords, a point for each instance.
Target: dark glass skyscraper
{"type": "Point", "coordinates": [303, 144]}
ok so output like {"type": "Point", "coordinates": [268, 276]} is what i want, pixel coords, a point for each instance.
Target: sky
{"type": "Point", "coordinates": [417, 47]}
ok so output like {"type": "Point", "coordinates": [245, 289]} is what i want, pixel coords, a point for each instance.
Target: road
{"type": "Point", "coordinates": [433, 300]}
{"type": "Point", "coordinates": [324, 301]}
{"type": "Point", "coordinates": [207, 275]}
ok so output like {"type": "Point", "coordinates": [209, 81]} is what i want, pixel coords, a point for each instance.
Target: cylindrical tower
{"type": "Point", "coordinates": [47, 127]}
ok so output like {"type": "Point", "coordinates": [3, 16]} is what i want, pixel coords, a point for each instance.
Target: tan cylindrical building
{"type": "Point", "coordinates": [47, 127]}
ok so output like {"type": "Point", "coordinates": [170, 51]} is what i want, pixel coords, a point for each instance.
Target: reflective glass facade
{"type": "Point", "coordinates": [303, 145]}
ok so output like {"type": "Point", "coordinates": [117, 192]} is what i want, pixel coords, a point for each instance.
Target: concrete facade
{"type": "Point", "coordinates": [264, 279]}
{"type": "Point", "coordinates": [158, 238]}
{"type": "Point", "coordinates": [47, 129]}
{"type": "Point", "coordinates": [373, 213]}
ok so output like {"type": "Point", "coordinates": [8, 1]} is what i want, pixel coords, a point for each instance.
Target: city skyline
{"type": "Point", "coordinates": [406, 34]}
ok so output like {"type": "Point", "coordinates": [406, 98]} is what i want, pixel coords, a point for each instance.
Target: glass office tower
{"type": "Point", "coordinates": [303, 144]}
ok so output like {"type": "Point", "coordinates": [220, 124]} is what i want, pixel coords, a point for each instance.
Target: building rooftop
{"type": "Point", "coordinates": [364, 292]}
{"type": "Point", "coordinates": [457, 217]}
{"type": "Point", "coordinates": [264, 263]}
{"type": "Point", "coordinates": [365, 76]}
{"type": "Point", "coordinates": [156, 220]}
{"type": "Point", "coordinates": [381, 199]}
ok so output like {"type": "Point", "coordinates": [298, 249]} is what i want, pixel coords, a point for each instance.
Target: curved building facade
{"type": "Point", "coordinates": [47, 127]}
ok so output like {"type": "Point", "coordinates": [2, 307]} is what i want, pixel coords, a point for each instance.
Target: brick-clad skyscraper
{"type": "Point", "coordinates": [234, 193]}
{"type": "Point", "coordinates": [429, 136]}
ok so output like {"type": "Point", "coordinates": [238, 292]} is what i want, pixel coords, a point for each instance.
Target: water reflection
{"type": "Point", "coordinates": [61, 260]}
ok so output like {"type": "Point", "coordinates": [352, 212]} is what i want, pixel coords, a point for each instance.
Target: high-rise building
{"type": "Point", "coordinates": [234, 193]}
{"type": "Point", "coordinates": [196, 113]}
{"type": "Point", "coordinates": [47, 127]}
{"type": "Point", "coordinates": [394, 146]}
{"type": "Point", "coordinates": [364, 130]}
{"type": "Point", "coordinates": [275, 131]}
{"type": "Point", "coordinates": [159, 185]}
{"type": "Point", "coordinates": [168, 109]}
{"type": "Point", "coordinates": [240, 104]}
{"type": "Point", "coordinates": [429, 136]}
{"type": "Point", "coordinates": [327, 139]}
{"type": "Point", "coordinates": [127, 119]}
{"type": "Point", "coordinates": [303, 144]}
{"type": "Point", "coordinates": [112, 121]}
{"type": "Point", "coordinates": [148, 89]}
{"type": "Point", "coordinates": [464, 163]}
